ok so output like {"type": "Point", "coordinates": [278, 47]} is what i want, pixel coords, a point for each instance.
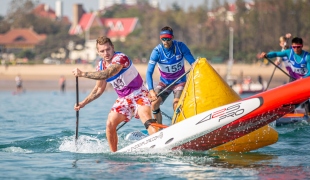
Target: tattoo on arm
{"type": "Point", "coordinates": [93, 95]}
{"type": "Point", "coordinates": [103, 75]}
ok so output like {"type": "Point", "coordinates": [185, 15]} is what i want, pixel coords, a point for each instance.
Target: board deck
{"type": "Point", "coordinates": [198, 126]}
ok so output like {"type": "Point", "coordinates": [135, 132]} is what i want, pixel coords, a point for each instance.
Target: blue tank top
{"type": "Point", "coordinates": [172, 67]}
{"type": "Point", "coordinates": [295, 69]}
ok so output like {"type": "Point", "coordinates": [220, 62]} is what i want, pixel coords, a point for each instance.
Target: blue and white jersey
{"type": "Point", "coordinates": [170, 63]}
{"type": "Point", "coordinates": [296, 69]}
{"type": "Point", "coordinates": [172, 67]}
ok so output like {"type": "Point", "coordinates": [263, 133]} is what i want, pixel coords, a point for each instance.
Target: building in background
{"type": "Point", "coordinates": [19, 39]}
{"type": "Point", "coordinates": [92, 26]}
{"type": "Point", "coordinates": [45, 11]}
{"type": "Point", "coordinates": [103, 4]}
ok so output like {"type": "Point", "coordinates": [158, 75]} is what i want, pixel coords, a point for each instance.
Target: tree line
{"type": "Point", "coordinates": [256, 27]}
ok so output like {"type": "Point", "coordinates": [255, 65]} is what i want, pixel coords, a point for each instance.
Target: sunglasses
{"type": "Point", "coordinates": [295, 47]}
{"type": "Point", "coordinates": [166, 39]}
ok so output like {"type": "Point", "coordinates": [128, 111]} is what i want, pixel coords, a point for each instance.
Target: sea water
{"type": "Point", "coordinates": [37, 141]}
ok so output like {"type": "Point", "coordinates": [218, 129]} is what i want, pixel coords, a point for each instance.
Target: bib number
{"type": "Point", "coordinates": [174, 68]}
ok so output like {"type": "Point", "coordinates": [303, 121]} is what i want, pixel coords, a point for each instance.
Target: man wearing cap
{"type": "Point", "coordinates": [169, 57]}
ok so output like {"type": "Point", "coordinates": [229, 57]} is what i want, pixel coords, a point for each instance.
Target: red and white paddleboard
{"type": "Point", "coordinates": [226, 123]}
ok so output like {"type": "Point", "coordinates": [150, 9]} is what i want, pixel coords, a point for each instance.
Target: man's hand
{"type": "Point", "coordinates": [78, 107]}
{"type": "Point", "coordinates": [76, 72]}
{"type": "Point", "coordinates": [278, 62]}
{"type": "Point", "coordinates": [288, 35]}
{"type": "Point", "coordinates": [153, 95]}
{"type": "Point", "coordinates": [261, 55]}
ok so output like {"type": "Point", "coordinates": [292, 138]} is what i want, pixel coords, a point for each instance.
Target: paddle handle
{"type": "Point", "coordinates": [77, 112]}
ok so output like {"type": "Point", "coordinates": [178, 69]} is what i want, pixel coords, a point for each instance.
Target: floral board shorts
{"type": "Point", "coordinates": [129, 105]}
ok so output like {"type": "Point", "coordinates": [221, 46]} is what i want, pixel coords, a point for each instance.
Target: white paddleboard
{"type": "Point", "coordinates": [195, 126]}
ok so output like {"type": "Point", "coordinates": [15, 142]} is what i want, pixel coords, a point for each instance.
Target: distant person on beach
{"type": "Point", "coordinates": [260, 79]}
{"type": "Point", "coordinates": [116, 68]}
{"type": "Point", "coordinates": [62, 84]}
{"type": "Point", "coordinates": [19, 83]}
{"type": "Point", "coordinates": [169, 55]}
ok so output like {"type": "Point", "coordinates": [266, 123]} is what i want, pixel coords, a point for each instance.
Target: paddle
{"type": "Point", "coordinates": [283, 48]}
{"type": "Point", "coordinates": [77, 112]}
{"type": "Point", "coordinates": [175, 81]}
{"type": "Point", "coordinates": [271, 78]}
{"type": "Point", "coordinates": [279, 68]}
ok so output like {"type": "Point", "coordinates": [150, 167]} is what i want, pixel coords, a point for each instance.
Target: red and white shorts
{"type": "Point", "coordinates": [129, 105]}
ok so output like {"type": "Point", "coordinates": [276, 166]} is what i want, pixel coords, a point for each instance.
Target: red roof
{"type": "Point", "coordinates": [43, 10]}
{"type": "Point", "coordinates": [21, 36]}
{"type": "Point", "coordinates": [84, 23]}
{"type": "Point", "coordinates": [118, 27]}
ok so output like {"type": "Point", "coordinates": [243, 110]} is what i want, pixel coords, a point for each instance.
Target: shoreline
{"type": "Point", "coordinates": [45, 77]}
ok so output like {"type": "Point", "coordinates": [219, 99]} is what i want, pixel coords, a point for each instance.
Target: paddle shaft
{"type": "Point", "coordinates": [280, 68]}
{"type": "Point", "coordinates": [270, 78]}
{"type": "Point", "coordinates": [175, 81]}
{"type": "Point", "coordinates": [284, 47]}
{"type": "Point", "coordinates": [77, 112]}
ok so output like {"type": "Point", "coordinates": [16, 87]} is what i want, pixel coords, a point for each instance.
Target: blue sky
{"type": "Point", "coordinates": [93, 4]}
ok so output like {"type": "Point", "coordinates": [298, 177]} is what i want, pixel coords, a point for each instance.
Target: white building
{"type": "Point", "coordinates": [108, 3]}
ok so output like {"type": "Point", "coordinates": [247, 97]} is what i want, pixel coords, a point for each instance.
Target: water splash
{"type": "Point", "coordinates": [16, 150]}
{"type": "Point", "coordinates": [84, 144]}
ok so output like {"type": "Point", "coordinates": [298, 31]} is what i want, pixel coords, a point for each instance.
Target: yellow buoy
{"type": "Point", "coordinates": [205, 90]}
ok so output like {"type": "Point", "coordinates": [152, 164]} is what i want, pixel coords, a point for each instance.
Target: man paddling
{"type": "Point", "coordinates": [117, 69]}
{"type": "Point", "coordinates": [169, 57]}
{"type": "Point", "coordinates": [297, 62]}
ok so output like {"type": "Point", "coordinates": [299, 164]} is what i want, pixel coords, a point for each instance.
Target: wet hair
{"type": "Point", "coordinates": [297, 40]}
{"type": "Point", "coordinates": [167, 28]}
{"type": "Point", "coordinates": [102, 40]}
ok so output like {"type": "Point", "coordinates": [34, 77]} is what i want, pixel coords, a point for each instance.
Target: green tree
{"type": "Point", "coordinates": [26, 54]}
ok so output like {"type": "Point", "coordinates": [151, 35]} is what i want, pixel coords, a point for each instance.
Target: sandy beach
{"type": "Point", "coordinates": [45, 77]}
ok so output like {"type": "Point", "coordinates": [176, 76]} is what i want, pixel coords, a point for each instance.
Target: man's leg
{"type": "Point", "coordinates": [156, 110]}
{"type": "Point", "coordinates": [114, 119]}
{"type": "Point", "coordinates": [177, 94]}
{"type": "Point", "coordinates": [175, 103]}
{"type": "Point", "coordinates": [144, 113]}
{"type": "Point", "coordinates": [156, 104]}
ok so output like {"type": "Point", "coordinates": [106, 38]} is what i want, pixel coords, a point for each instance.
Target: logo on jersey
{"type": "Point", "coordinates": [178, 57]}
